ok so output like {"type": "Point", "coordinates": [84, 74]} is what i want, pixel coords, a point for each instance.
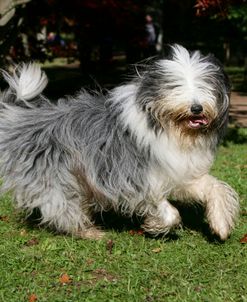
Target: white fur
{"type": "Point", "coordinates": [187, 72]}
{"type": "Point", "coordinates": [28, 83]}
{"type": "Point", "coordinates": [132, 117]}
{"type": "Point", "coordinates": [168, 214]}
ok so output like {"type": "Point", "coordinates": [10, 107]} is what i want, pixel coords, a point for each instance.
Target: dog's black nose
{"type": "Point", "coordinates": [196, 108]}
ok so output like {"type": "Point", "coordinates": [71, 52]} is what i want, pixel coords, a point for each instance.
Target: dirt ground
{"type": "Point", "coordinates": [238, 109]}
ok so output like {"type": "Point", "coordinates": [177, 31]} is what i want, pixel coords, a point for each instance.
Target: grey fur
{"type": "Point", "coordinates": [79, 156]}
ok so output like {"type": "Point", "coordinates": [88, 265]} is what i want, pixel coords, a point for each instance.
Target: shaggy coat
{"type": "Point", "coordinates": [131, 150]}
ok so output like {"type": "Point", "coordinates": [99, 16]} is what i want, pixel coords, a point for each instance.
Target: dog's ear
{"type": "Point", "coordinates": [223, 92]}
{"type": "Point", "coordinates": [223, 76]}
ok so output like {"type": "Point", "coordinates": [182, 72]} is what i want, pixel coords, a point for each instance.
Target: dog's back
{"type": "Point", "coordinates": [47, 149]}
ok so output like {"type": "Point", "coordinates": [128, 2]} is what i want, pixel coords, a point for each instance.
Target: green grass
{"type": "Point", "coordinates": [186, 267]}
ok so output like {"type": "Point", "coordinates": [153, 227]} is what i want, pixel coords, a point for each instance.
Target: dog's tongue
{"type": "Point", "coordinates": [197, 121]}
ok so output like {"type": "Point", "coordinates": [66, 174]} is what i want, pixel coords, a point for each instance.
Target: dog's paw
{"type": "Point", "coordinates": [166, 219]}
{"type": "Point", "coordinates": [221, 229]}
{"type": "Point", "coordinates": [169, 215]}
{"type": "Point", "coordinates": [222, 210]}
{"type": "Point", "coordinates": [156, 226]}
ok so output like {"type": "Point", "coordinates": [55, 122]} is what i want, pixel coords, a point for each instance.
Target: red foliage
{"type": "Point", "coordinates": [206, 7]}
{"type": "Point", "coordinates": [215, 7]}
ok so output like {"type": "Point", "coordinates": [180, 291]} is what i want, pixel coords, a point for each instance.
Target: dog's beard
{"type": "Point", "coordinates": [182, 119]}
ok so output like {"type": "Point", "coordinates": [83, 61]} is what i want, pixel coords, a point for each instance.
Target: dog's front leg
{"type": "Point", "coordinates": [161, 219]}
{"type": "Point", "coordinates": [220, 201]}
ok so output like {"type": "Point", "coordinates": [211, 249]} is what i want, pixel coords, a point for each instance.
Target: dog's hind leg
{"type": "Point", "coordinates": [161, 219]}
{"type": "Point", "coordinates": [68, 213]}
{"type": "Point", "coordinates": [62, 204]}
{"type": "Point", "coordinates": [67, 210]}
{"type": "Point", "coordinates": [219, 199]}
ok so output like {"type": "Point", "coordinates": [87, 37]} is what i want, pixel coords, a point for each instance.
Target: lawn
{"type": "Point", "coordinates": [37, 265]}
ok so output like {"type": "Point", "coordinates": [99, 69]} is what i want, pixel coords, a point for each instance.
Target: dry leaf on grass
{"type": "Point", "coordinates": [64, 279]}
{"type": "Point", "coordinates": [32, 298]}
{"type": "Point", "coordinates": [32, 241]}
{"type": "Point", "coordinates": [140, 232]}
{"type": "Point", "coordinates": [101, 273]}
{"type": "Point", "coordinates": [109, 245]}
{"type": "Point", "coordinates": [156, 250]}
{"type": "Point", "coordinates": [4, 218]}
{"type": "Point", "coordinates": [136, 232]}
{"type": "Point", "coordinates": [244, 239]}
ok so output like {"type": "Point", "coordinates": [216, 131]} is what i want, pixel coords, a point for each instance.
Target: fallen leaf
{"type": "Point", "coordinates": [32, 298]}
{"type": "Point", "coordinates": [64, 279]}
{"type": "Point", "coordinates": [140, 232]}
{"type": "Point", "coordinates": [244, 239]}
{"type": "Point", "coordinates": [136, 232]}
{"type": "Point", "coordinates": [109, 245]}
{"type": "Point", "coordinates": [132, 232]}
{"type": "Point", "coordinates": [101, 273]}
{"type": "Point", "coordinates": [156, 250]}
{"type": "Point", "coordinates": [4, 218]}
{"type": "Point", "coordinates": [32, 241]}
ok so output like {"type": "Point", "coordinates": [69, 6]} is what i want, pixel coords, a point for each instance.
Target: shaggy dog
{"type": "Point", "coordinates": [144, 143]}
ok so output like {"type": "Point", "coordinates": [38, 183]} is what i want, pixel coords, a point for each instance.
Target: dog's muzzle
{"type": "Point", "coordinates": [196, 108]}
{"type": "Point", "coordinates": [197, 120]}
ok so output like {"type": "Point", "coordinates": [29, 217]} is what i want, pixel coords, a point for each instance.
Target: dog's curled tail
{"type": "Point", "coordinates": [27, 81]}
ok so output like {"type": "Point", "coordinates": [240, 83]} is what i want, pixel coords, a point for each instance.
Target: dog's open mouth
{"type": "Point", "coordinates": [197, 121]}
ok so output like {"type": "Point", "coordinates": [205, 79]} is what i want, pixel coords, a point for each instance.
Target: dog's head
{"type": "Point", "coordinates": [187, 91]}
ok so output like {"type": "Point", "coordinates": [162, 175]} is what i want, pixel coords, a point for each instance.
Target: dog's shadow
{"type": "Point", "coordinates": [193, 219]}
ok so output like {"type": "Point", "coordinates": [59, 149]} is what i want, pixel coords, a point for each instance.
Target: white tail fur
{"type": "Point", "coordinates": [28, 81]}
